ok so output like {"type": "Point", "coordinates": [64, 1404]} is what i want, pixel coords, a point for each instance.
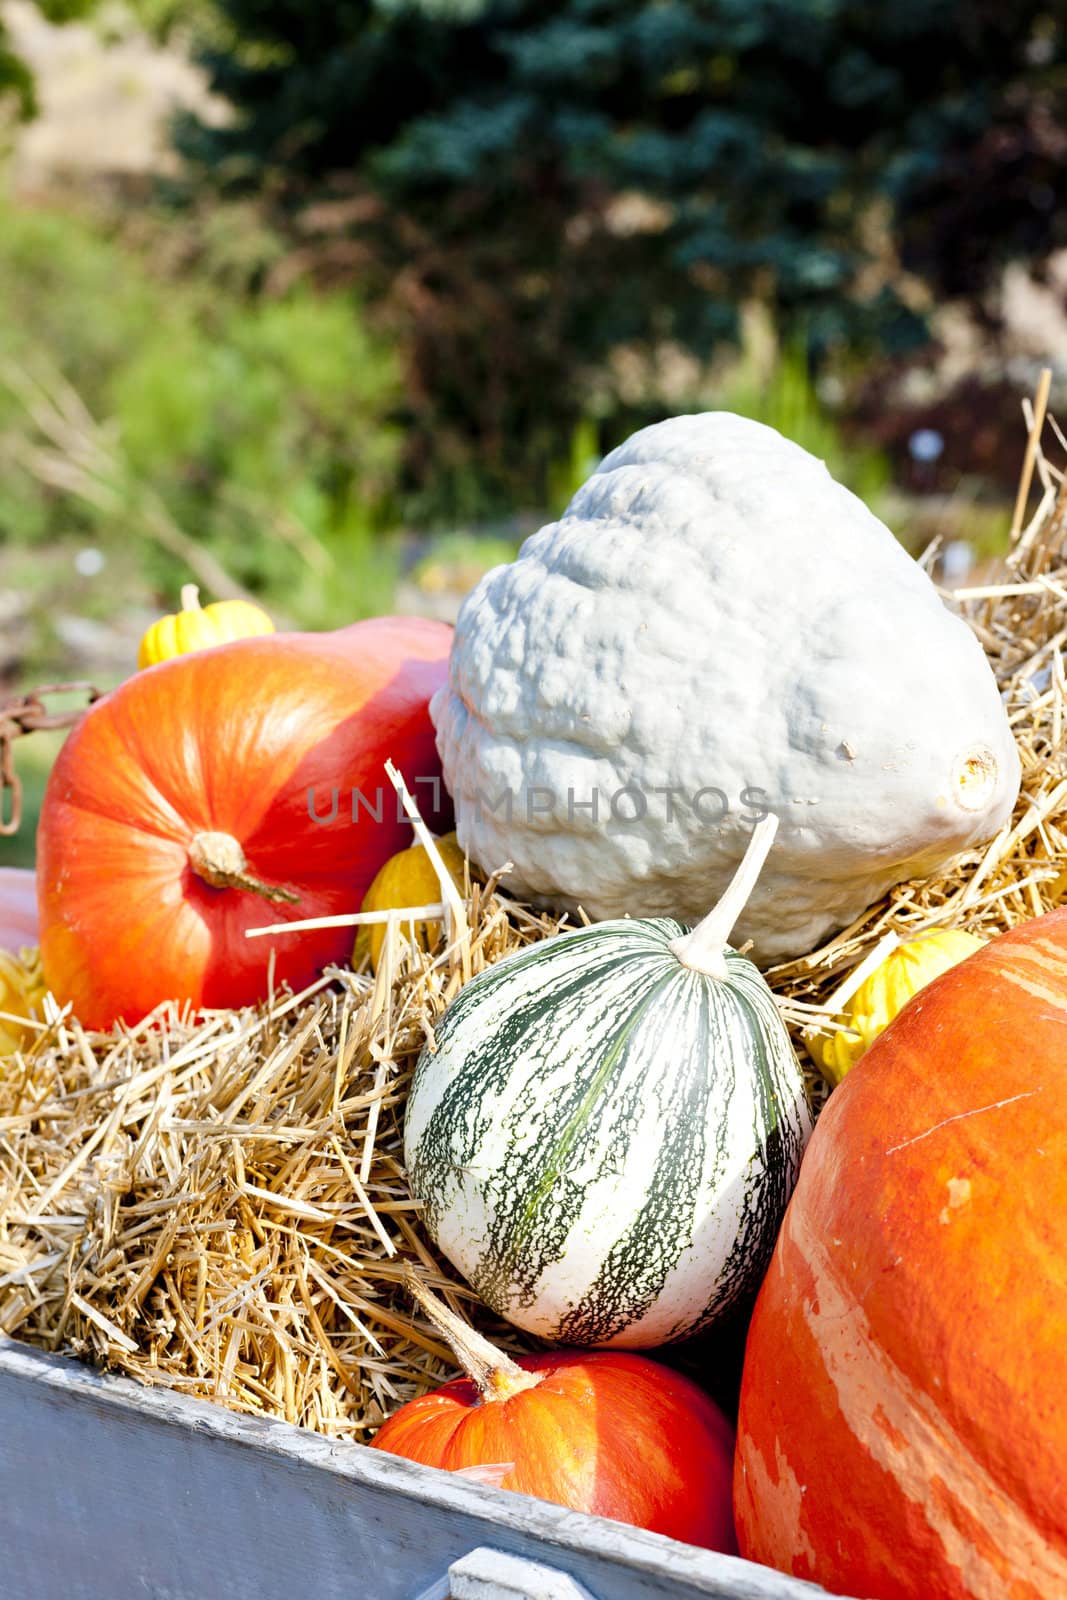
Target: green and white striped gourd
{"type": "Point", "coordinates": [607, 1132]}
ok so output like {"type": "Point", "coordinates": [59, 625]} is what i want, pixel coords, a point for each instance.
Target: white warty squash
{"type": "Point", "coordinates": [716, 627]}
{"type": "Point", "coordinates": [607, 1131]}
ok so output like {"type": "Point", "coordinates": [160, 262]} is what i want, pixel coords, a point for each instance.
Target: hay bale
{"type": "Point", "coordinates": [219, 1205]}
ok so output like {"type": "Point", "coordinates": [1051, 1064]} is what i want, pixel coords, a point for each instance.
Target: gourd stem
{"type": "Point", "coordinates": [496, 1376]}
{"type": "Point", "coordinates": [190, 597]}
{"type": "Point", "coordinates": [704, 949]}
{"type": "Point", "coordinates": [218, 859]}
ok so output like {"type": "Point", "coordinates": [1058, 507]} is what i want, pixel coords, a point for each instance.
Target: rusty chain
{"type": "Point", "coordinates": [28, 714]}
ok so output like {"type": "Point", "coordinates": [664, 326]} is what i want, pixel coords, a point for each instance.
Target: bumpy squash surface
{"type": "Point", "coordinates": [716, 627]}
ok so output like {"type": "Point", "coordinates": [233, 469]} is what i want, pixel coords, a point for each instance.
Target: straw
{"type": "Point", "coordinates": [218, 1203]}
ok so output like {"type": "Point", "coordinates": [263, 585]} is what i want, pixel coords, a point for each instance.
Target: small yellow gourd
{"type": "Point", "coordinates": [407, 879]}
{"type": "Point", "coordinates": [906, 970]}
{"type": "Point", "coordinates": [197, 627]}
{"type": "Point", "coordinates": [22, 991]}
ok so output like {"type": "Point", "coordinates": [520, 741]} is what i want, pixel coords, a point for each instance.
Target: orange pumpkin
{"type": "Point", "coordinates": [603, 1431]}
{"type": "Point", "coordinates": [215, 794]}
{"type": "Point", "coordinates": [903, 1421]}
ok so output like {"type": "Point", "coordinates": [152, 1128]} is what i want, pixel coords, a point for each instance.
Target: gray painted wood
{"type": "Point", "coordinates": [109, 1490]}
{"type": "Point", "coordinates": [493, 1575]}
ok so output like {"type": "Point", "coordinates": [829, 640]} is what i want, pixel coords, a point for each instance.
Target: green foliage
{"type": "Point", "coordinates": [787, 399]}
{"type": "Point", "coordinates": [252, 423]}
{"type": "Point", "coordinates": [788, 150]}
{"type": "Point", "coordinates": [259, 430]}
{"type": "Point", "coordinates": [17, 98]}
{"type": "Point", "coordinates": [569, 472]}
{"type": "Point", "coordinates": [164, 20]}
{"type": "Point", "coordinates": [60, 11]}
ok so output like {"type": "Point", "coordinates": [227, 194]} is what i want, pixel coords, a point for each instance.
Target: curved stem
{"type": "Point", "coordinates": [218, 859]}
{"type": "Point", "coordinates": [497, 1377]}
{"type": "Point", "coordinates": [190, 597]}
{"type": "Point", "coordinates": [704, 949]}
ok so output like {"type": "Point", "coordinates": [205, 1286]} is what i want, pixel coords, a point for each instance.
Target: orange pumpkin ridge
{"type": "Point", "coordinates": [903, 1421]}
{"type": "Point", "coordinates": [230, 742]}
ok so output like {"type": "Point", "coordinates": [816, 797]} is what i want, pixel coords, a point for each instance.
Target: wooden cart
{"type": "Point", "coordinates": [112, 1491]}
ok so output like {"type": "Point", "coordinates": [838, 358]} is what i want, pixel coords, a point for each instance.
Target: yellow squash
{"type": "Point", "coordinates": [906, 970]}
{"type": "Point", "coordinates": [407, 879]}
{"type": "Point", "coordinates": [22, 989]}
{"type": "Point", "coordinates": [197, 627]}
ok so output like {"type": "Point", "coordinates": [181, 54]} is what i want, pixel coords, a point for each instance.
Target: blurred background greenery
{"type": "Point", "coordinates": [332, 303]}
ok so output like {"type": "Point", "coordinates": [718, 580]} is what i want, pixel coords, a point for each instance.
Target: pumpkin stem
{"type": "Point", "coordinates": [190, 597]}
{"type": "Point", "coordinates": [704, 949]}
{"type": "Point", "coordinates": [497, 1377]}
{"type": "Point", "coordinates": [218, 859]}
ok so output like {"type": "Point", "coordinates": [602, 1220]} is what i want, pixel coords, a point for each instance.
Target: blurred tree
{"type": "Point", "coordinates": [555, 178]}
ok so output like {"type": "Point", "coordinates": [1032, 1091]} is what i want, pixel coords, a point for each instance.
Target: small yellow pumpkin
{"type": "Point", "coordinates": [22, 990]}
{"type": "Point", "coordinates": [197, 627]}
{"type": "Point", "coordinates": [407, 879]}
{"type": "Point", "coordinates": [906, 970]}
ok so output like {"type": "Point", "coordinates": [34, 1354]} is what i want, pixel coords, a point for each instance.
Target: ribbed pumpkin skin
{"type": "Point", "coordinates": [604, 1141]}
{"type": "Point", "coordinates": [232, 740]}
{"type": "Point", "coordinates": [903, 1423]}
{"type": "Point", "coordinates": [610, 1434]}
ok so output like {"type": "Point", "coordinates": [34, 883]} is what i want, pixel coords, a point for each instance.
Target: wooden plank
{"type": "Point", "coordinates": [492, 1575]}
{"type": "Point", "coordinates": [109, 1489]}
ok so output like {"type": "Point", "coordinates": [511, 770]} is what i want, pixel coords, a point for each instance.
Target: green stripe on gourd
{"type": "Point", "coordinates": [605, 1137]}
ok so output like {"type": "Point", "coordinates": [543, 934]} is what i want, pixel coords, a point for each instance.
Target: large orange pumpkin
{"type": "Point", "coordinates": [214, 794]}
{"type": "Point", "coordinates": [903, 1424]}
